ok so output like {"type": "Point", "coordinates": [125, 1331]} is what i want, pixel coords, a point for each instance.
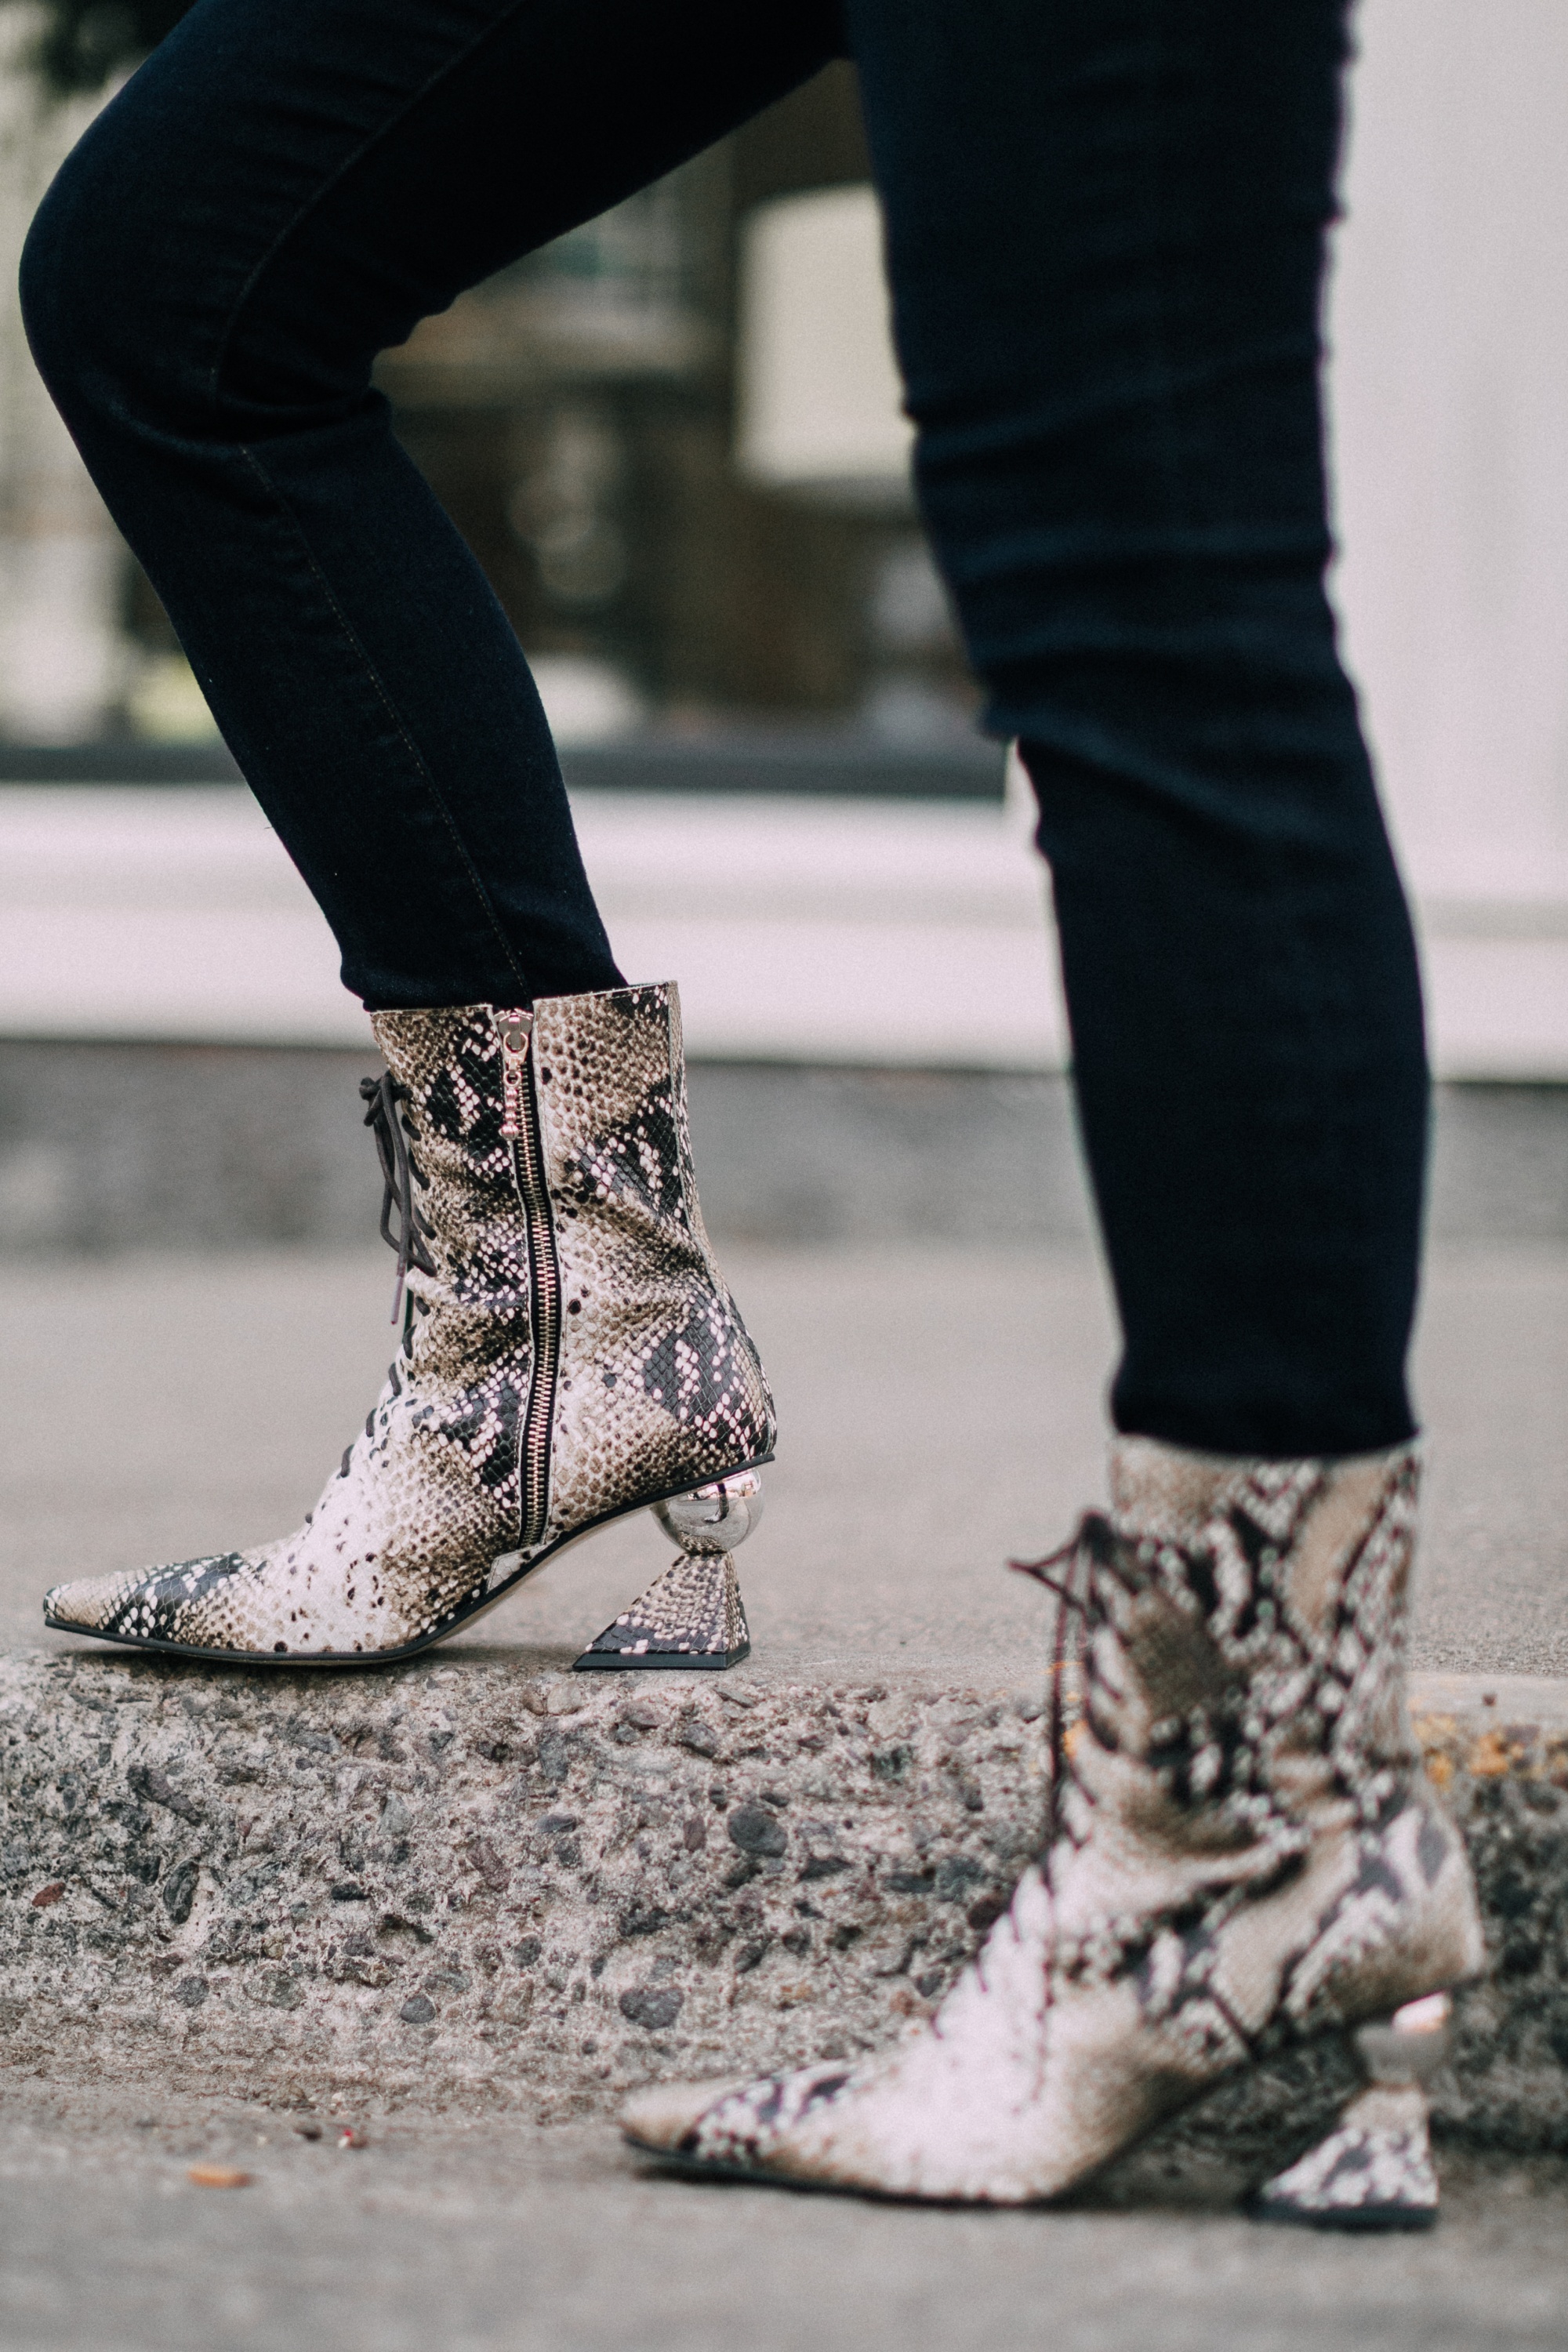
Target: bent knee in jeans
{"type": "Point", "coordinates": [111, 295]}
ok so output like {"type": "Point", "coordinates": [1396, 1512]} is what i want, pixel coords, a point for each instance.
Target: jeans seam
{"type": "Point", "coordinates": [319, 194]}
{"type": "Point", "coordinates": [389, 704]}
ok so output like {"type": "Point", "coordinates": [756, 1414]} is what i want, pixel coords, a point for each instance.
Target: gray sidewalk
{"type": "Point", "coordinates": [940, 1410]}
{"type": "Point", "coordinates": [437, 2237]}
{"type": "Point", "coordinates": [940, 1407]}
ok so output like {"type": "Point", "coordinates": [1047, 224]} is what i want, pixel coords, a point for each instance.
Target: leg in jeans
{"type": "Point", "coordinates": [278, 194]}
{"type": "Point", "coordinates": [1107, 260]}
{"type": "Point", "coordinates": [1105, 224]}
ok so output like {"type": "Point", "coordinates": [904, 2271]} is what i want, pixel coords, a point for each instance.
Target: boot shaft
{"type": "Point", "coordinates": [1244, 1645]}
{"type": "Point", "coordinates": [553, 1182]}
{"type": "Point", "coordinates": [598, 1081]}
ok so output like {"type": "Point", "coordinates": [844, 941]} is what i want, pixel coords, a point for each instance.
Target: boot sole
{"type": "Point", "coordinates": [698, 2168]}
{"type": "Point", "coordinates": [1357, 2219]}
{"type": "Point", "coordinates": [466, 1616]}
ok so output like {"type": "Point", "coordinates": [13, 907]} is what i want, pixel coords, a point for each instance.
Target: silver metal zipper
{"type": "Point", "coordinates": [520, 1128]}
{"type": "Point", "coordinates": [516, 1029]}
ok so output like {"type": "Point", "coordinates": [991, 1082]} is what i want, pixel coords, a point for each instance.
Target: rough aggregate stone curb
{"type": "Point", "coordinates": [489, 1881]}
{"type": "Point", "coordinates": [1502, 1767]}
{"type": "Point", "coordinates": [466, 1880]}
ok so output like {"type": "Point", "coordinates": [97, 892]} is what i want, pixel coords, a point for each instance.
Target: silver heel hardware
{"type": "Point", "coordinates": [1374, 2170]}
{"type": "Point", "coordinates": [691, 1618]}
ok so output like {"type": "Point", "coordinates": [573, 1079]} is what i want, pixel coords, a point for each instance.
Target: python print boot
{"type": "Point", "coordinates": [1243, 1853]}
{"type": "Point", "coordinates": [570, 1353]}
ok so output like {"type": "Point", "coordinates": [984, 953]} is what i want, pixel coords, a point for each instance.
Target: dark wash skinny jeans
{"type": "Point", "coordinates": [1105, 235]}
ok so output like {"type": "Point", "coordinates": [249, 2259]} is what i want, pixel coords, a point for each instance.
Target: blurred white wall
{"type": "Point", "coordinates": [1449, 329]}
{"type": "Point", "coordinates": [820, 400]}
{"type": "Point", "coordinates": [884, 932]}
{"type": "Point", "coordinates": [1448, 323]}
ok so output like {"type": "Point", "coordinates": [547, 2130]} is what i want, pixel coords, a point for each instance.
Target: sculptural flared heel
{"type": "Point", "coordinates": [690, 1619]}
{"type": "Point", "coordinates": [1374, 2170]}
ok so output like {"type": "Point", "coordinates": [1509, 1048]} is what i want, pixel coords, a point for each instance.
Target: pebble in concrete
{"type": "Point", "coordinates": [1507, 1781]}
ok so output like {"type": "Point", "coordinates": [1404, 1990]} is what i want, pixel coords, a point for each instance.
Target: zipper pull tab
{"type": "Point", "coordinates": [515, 1030]}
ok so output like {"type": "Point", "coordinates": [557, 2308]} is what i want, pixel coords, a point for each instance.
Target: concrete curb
{"type": "Point", "coordinates": [483, 1879]}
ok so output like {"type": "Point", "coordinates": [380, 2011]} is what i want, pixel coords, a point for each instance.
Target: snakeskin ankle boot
{"type": "Point", "coordinates": [1242, 1853]}
{"type": "Point", "coordinates": [570, 1353]}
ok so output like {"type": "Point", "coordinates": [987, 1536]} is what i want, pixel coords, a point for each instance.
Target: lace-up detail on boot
{"type": "Point", "coordinates": [569, 1349]}
{"type": "Point", "coordinates": [1240, 1852]}
{"type": "Point", "coordinates": [399, 1174]}
{"type": "Point", "coordinates": [1256, 1685]}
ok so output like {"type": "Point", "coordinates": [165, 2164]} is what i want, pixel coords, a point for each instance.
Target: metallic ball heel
{"type": "Point", "coordinates": [1375, 2170]}
{"type": "Point", "coordinates": [691, 1618]}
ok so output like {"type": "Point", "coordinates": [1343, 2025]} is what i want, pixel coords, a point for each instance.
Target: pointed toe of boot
{"type": "Point", "coordinates": [782, 2128]}
{"type": "Point", "coordinates": [664, 2117]}
{"type": "Point", "coordinates": [178, 1607]}
{"type": "Point", "coordinates": [88, 1604]}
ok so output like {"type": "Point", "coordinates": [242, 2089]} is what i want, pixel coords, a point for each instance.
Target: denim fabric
{"type": "Point", "coordinates": [1108, 316]}
{"type": "Point", "coordinates": [1105, 233]}
{"type": "Point", "coordinates": [278, 195]}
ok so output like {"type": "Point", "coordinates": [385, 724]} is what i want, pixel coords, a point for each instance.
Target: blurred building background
{"type": "Point", "coordinates": [673, 441]}
{"type": "Point", "coordinates": [671, 438]}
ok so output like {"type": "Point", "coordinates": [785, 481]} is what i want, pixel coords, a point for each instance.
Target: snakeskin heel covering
{"type": "Point", "coordinates": [690, 1616]}
{"type": "Point", "coordinates": [1242, 1853]}
{"type": "Point", "coordinates": [570, 1350]}
{"type": "Point", "coordinates": [1374, 2170]}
